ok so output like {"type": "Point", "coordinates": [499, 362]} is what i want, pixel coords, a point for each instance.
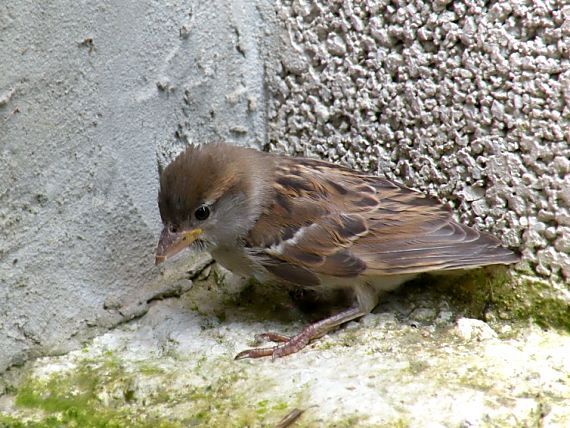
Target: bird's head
{"type": "Point", "coordinates": [210, 196]}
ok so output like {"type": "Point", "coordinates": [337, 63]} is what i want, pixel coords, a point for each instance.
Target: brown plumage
{"type": "Point", "coordinates": [311, 224]}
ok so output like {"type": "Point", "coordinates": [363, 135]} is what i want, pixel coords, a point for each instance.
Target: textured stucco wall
{"type": "Point", "coordinates": [466, 100]}
{"type": "Point", "coordinates": [90, 94]}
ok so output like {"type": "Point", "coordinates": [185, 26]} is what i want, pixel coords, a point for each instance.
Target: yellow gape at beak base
{"type": "Point", "coordinates": [189, 237]}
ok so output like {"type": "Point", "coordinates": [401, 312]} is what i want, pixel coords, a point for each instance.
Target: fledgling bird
{"type": "Point", "coordinates": [309, 224]}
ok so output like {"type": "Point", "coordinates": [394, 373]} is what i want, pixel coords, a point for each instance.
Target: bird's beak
{"type": "Point", "coordinates": [171, 243]}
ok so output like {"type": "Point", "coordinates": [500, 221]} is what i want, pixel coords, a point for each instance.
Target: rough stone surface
{"type": "Point", "coordinates": [386, 370]}
{"type": "Point", "coordinates": [466, 100]}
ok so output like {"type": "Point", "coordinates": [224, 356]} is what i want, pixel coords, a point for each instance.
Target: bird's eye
{"type": "Point", "coordinates": [202, 213]}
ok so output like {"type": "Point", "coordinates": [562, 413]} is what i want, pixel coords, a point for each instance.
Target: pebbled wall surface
{"type": "Point", "coordinates": [466, 100]}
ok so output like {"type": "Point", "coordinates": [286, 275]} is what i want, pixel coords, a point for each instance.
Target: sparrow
{"type": "Point", "coordinates": [311, 225]}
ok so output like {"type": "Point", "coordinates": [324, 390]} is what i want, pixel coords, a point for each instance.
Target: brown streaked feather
{"type": "Point", "coordinates": [333, 221]}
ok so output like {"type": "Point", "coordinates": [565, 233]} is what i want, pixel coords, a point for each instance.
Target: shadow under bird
{"type": "Point", "coordinates": [310, 225]}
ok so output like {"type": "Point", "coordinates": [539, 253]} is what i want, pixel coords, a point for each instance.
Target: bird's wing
{"type": "Point", "coordinates": [329, 220]}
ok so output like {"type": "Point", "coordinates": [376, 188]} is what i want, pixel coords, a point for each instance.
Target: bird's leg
{"type": "Point", "coordinates": [290, 345]}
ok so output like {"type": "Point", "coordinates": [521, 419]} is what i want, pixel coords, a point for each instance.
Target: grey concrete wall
{"type": "Point", "coordinates": [92, 95]}
{"type": "Point", "coordinates": [464, 100]}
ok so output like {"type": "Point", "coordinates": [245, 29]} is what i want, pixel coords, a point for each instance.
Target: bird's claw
{"type": "Point", "coordinates": [264, 352]}
{"type": "Point", "coordinates": [287, 345]}
{"type": "Point", "coordinates": [256, 353]}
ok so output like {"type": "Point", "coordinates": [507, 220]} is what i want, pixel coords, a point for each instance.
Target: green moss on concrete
{"type": "Point", "coordinates": [94, 394]}
{"type": "Point", "coordinates": [350, 421]}
{"type": "Point", "coordinates": [149, 369]}
{"type": "Point", "coordinates": [105, 393]}
{"type": "Point", "coordinates": [417, 366]}
{"type": "Point", "coordinates": [529, 298]}
{"type": "Point", "coordinates": [476, 378]}
{"type": "Point", "coordinates": [497, 293]}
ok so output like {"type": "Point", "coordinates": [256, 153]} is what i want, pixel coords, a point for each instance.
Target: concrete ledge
{"type": "Point", "coordinates": [415, 360]}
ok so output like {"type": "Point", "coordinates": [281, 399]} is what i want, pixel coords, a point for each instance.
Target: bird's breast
{"type": "Point", "coordinates": [234, 259]}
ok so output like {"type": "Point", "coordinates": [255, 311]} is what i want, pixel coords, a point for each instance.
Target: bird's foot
{"type": "Point", "coordinates": [290, 345]}
{"type": "Point", "coordinates": [287, 345]}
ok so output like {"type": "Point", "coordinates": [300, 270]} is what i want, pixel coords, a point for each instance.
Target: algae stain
{"type": "Point", "coordinates": [527, 298]}
{"type": "Point", "coordinates": [107, 393]}
{"type": "Point", "coordinates": [495, 292]}
{"type": "Point", "coordinates": [92, 395]}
